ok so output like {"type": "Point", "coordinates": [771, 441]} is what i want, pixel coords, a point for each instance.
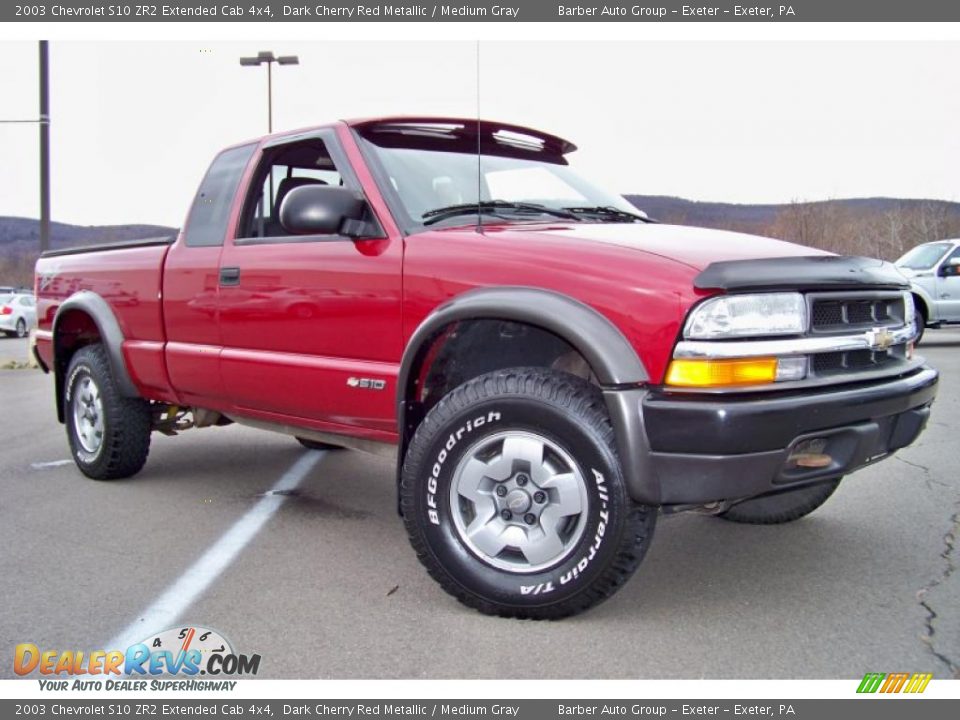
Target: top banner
{"type": "Point", "coordinates": [482, 11]}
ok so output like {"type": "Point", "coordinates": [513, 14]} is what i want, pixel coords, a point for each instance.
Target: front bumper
{"type": "Point", "coordinates": [681, 448]}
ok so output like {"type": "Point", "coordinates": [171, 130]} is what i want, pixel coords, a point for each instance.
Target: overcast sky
{"type": "Point", "coordinates": [135, 124]}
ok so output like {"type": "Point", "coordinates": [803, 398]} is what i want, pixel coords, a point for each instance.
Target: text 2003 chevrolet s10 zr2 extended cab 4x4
{"type": "Point", "coordinates": [551, 369]}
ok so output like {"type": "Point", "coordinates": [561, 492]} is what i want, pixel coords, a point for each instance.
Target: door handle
{"type": "Point", "coordinates": [229, 276]}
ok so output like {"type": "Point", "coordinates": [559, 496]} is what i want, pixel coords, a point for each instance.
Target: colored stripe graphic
{"type": "Point", "coordinates": [918, 683]}
{"type": "Point", "coordinates": [894, 682]}
{"type": "Point", "coordinates": [871, 682]}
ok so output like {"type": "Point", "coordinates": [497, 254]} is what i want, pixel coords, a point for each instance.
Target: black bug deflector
{"type": "Point", "coordinates": [800, 273]}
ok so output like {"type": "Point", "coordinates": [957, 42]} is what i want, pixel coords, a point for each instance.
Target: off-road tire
{"type": "Point", "coordinates": [568, 412]}
{"type": "Point", "coordinates": [782, 507]}
{"type": "Point", "coordinates": [126, 421]}
{"type": "Point", "coordinates": [317, 445]}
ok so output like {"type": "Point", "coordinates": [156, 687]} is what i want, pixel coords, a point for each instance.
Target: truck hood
{"type": "Point", "coordinates": [911, 273]}
{"type": "Point", "coordinates": [711, 259]}
{"type": "Point", "coordinates": [692, 246]}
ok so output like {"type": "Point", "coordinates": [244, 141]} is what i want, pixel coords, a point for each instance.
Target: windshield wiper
{"type": "Point", "coordinates": [609, 212]}
{"type": "Point", "coordinates": [494, 207]}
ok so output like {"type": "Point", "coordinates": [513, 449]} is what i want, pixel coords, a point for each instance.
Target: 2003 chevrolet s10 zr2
{"type": "Point", "coordinates": [550, 368]}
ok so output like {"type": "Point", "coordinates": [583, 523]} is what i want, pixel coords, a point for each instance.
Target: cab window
{"type": "Point", "coordinates": [283, 170]}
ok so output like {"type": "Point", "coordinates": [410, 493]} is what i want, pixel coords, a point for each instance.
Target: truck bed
{"type": "Point", "coordinates": [127, 275]}
{"type": "Point", "coordinates": [99, 247]}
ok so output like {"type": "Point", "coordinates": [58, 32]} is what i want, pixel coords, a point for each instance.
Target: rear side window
{"type": "Point", "coordinates": [207, 224]}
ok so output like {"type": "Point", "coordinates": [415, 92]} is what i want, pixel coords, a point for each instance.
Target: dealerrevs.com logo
{"type": "Point", "coordinates": [185, 652]}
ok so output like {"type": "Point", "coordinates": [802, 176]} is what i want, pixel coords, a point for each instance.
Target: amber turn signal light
{"type": "Point", "coordinates": [719, 373]}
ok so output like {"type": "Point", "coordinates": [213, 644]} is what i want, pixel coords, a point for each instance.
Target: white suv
{"type": "Point", "coordinates": [934, 272]}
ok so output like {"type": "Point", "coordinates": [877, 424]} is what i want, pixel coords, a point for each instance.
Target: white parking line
{"type": "Point", "coordinates": [199, 576]}
{"type": "Point", "coordinates": [51, 464]}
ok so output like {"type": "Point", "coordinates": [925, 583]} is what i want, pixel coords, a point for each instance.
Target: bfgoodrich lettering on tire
{"type": "Point", "coordinates": [513, 498]}
{"type": "Point", "coordinates": [109, 434]}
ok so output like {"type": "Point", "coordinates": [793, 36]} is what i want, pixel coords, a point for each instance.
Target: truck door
{"type": "Point", "coordinates": [311, 324]}
{"type": "Point", "coordinates": [190, 284]}
{"type": "Point", "coordinates": [948, 287]}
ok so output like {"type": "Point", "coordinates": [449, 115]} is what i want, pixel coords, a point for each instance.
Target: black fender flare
{"type": "Point", "coordinates": [611, 357]}
{"type": "Point", "coordinates": [99, 310]}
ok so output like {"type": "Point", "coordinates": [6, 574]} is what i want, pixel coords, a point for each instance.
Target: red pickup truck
{"type": "Point", "coordinates": [550, 368]}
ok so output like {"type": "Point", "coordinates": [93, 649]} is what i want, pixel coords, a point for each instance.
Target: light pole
{"type": "Point", "coordinates": [44, 147]}
{"type": "Point", "coordinates": [266, 57]}
{"type": "Point", "coordinates": [44, 122]}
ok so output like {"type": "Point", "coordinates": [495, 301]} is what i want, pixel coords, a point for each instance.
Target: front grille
{"type": "Point", "coordinates": [834, 363]}
{"type": "Point", "coordinates": [845, 312]}
{"type": "Point", "coordinates": [852, 313]}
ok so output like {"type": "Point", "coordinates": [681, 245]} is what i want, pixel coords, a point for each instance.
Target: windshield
{"type": "Point", "coordinates": [429, 181]}
{"type": "Point", "coordinates": [923, 257]}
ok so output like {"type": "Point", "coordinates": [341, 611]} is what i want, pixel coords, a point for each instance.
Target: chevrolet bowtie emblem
{"type": "Point", "coordinates": [880, 338]}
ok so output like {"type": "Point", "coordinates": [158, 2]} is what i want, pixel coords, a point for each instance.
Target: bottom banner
{"type": "Point", "coordinates": [875, 709]}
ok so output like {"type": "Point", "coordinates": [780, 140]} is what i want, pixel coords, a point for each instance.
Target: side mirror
{"type": "Point", "coordinates": [321, 210]}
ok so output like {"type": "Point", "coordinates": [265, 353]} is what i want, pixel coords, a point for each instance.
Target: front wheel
{"type": "Point", "coordinates": [514, 500]}
{"type": "Point", "coordinates": [920, 322]}
{"type": "Point", "coordinates": [109, 434]}
{"type": "Point", "coordinates": [782, 507]}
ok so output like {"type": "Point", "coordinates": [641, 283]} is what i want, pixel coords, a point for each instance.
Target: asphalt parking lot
{"type": "Point", "coordinates": [328, 586]}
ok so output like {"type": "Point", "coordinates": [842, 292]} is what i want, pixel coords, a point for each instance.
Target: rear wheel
{"type": "Point", "coordinates": [109, 434]}
{"type": "Point", "coordinates": [21, 328]}
{"type": "Point", "coordinates": [513, 497]}
{"type": "Point", "coordinates": [782, 507]}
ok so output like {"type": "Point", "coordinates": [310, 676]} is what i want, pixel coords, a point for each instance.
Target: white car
{"type": "Point", "coordinates": [18, 314]}
{"type": "Point", "coordinates": [934, 273]}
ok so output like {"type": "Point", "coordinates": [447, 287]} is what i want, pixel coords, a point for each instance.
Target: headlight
{"type": "Point", "coordinates": [730, 316]}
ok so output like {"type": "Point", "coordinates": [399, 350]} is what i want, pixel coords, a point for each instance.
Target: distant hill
{"type": "Point", "coordinates": [761, 218]}
{"type": "Point", "coordinates": [874, 227]}
{"type": "Point", "coordinates": [20, 240]}
{"type": "Point", "coordinates": [877, 227]}
{"type": "Point", "coordinates": [25, 231]}
{"type": "Point", "coordinates": [679, 211]}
